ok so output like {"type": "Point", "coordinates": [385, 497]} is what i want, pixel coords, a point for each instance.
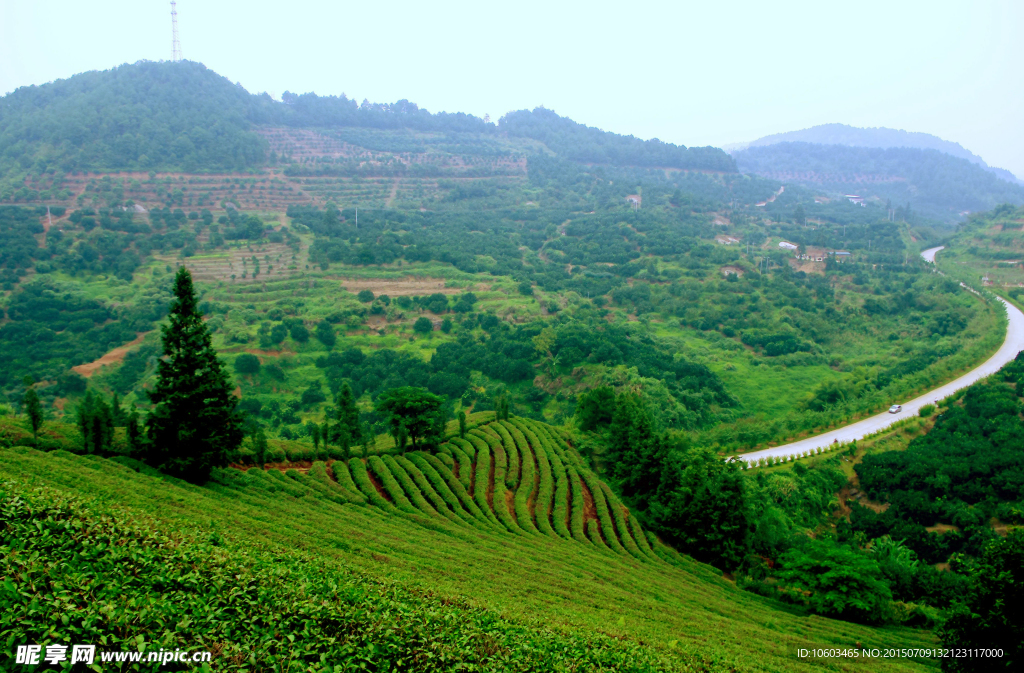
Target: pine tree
{"type": "Point", "coordinates": [96, 423]}
{"type": "Point", "coordinates": [259, 445]}
{"type": "Point", "coordinates": [133, 428]}
{"type": "Point", "coordinates": [117, 413]}
{"type": "Point", "coordinates": [346, 412]}
{"type": "Point", "coordinates": [194, 425]}
{"type": "Point", "coordinates": [34, 411]}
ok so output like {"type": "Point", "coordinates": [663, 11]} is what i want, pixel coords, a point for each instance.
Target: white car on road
{"type": "Point", "coordinates": [895, 409]}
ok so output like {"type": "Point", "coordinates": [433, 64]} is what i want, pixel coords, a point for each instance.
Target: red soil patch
{"type": "Point", "coordinates": [377, 485]}
{"type": "Point", "coordinates": [301, 466]}
{"type": "Point", "coordinates": [490, 484]}
{"type": "Point", "coordinates": [589, 510]}
{"type": "Point", "coordinates": [510, 503]}
{"type": "Point", "coordinates": [113, 357]}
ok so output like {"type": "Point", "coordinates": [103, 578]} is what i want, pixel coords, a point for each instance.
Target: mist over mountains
{"type": "Point", "coordinates": [184, 117]}
{"type": "Point", "coordinates": [940, 179]}
{"type": "Point", "coordinates": [878, 137]}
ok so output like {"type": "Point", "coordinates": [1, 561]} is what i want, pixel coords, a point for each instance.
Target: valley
{"type": "Point", "coordinates": [334, 386]}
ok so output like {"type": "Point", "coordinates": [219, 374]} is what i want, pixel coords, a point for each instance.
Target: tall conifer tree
{"type": "Point", "coordinates": [34, 410]}
{"type": "Point", "coordinates": [194, 425]}
{"type": "Point", "coordinates": [349, 430]}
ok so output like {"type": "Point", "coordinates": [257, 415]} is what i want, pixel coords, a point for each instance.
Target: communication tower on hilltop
{"type": "Point", "coordinates": [175, 44]}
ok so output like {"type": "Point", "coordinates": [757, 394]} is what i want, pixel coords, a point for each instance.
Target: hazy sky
{"type": "Point", "coordinates": [695, 73]}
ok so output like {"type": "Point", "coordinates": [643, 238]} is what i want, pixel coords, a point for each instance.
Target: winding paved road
{"type": "Point", "coordinates": [1013, 344]}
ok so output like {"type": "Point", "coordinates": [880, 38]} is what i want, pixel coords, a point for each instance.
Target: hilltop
{"type": "Point", "coordinates": [939, 185]}
{"type": "Point", "coordinates": [184, 117]}
{"type": "Point", "coordinates": [878, 137]}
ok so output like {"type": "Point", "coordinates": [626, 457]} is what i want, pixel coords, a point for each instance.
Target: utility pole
{"type": "Point", "coordinates": [357, 217]}
{"type": "Point", "coordinates": [175, 44]}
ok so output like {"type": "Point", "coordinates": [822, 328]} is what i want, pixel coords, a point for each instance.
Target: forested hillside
{"type": "Point", "coordinates": [184, 117]}
{"type": "Point", "coordinates": [427, 346]}
{"type": "Point", "coordinates": [937, 185]}
{"type": "Point", "coordinates": [851, 136]}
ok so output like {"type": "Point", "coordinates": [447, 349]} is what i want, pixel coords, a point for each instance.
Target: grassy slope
{"type": "Point", "coordinates": [992, 247]}
{"type": "Point", "coordinates": [687, 616]}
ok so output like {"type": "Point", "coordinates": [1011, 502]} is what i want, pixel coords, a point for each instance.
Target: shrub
{"type": "Point", "coordinates": [480, 484]}
{"type": "Point", "coordinates": [498, 504]}
{"type": "Point", "coordinates": [394, 490]}
{"type": "Point", "coordinates": [456, 487]}
{"type": "Point", "coordinates": [438, 483]}
{"type": "Point", "coordinates": [465, 465]}
{"type": "Point", "coordinates": [423, 325]}
{"type": "Point", "coordinates": [560, 511]}
{"type": "Point", "coordinates": [325, 334]}
{"type": "Point", "coordinates": [525, 489]}
{"type": "Point", "coordinates": [576, 512]}
{"type": "Point", "coordinates": [542, 506]}
{"type": "Point", "coordinates": [365, 296]}
{"type": "Point", "coordinates": [618, 516]}
{"type": "Point", "coordinates": [427, 489]}
{"type": "Point", "coordinates": [603, 515]}
{"type": "Point", "coordinates": [362, 481]}
{"type": "Point", "coordinates": [927, 410]}
{"type": "Point", "coordinates": [344, 478]}
{"type": "Point", "coordinates": [511, 454]}
{"type": "Point", "coordinates": [411, 488]}
{"type": "Point", "coordinates": [247, 363]}
{"type": "Point", "coordinates": [299, 333]}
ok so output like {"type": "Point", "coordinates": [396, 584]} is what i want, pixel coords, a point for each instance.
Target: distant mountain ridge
{"type": "Point", "coordinates": [876, 137]}
{"type": "Point", "coordinates": [182, 116]}
{"type": "Point", "coordinates": [936, 184]}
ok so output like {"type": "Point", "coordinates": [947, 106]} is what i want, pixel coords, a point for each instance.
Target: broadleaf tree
{"type": "Point", "coordinates": [413, 411]}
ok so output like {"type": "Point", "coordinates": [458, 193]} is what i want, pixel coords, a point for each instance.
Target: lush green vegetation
{"type": "Point", "coordinates": [132, 117]}
{"type": "Point", "coordinates": [967, 471]}
{"type": "Point", "coordinates": [937, 184]}
{"type": "Point", "coordinates": [988, 246]}
{"type": "Point", "coordinates": [900, 534]}
{"type": "Point", "coordinates": [569, 367]}
{"type": "Point", "coordinates": [344, 573]}
{"type": "Point", "coordinates": [576, 142]}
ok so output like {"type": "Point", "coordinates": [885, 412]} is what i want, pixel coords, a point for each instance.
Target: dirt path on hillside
{"type": "Point", "coordinates": [113, 357]}
{"type": "Point", "coordinates": [393, 194]}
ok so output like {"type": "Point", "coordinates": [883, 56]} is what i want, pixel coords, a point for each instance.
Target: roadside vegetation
{"type": "Point", "coordinates": [486, 379]}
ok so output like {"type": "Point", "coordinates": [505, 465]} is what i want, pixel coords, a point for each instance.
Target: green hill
{"type": "Point", "coordinates": [988, 249]}
{"type": "Point", "coordinates": [180, 116]}
{"type": "Point", "coordinates": [538, 266]}
{"type": "Point", "coordinates": [272, 569]}
{"type": "Point", "coordinates": [934, 183]}
{"type": "Point", "coordinates": [851, 136]}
